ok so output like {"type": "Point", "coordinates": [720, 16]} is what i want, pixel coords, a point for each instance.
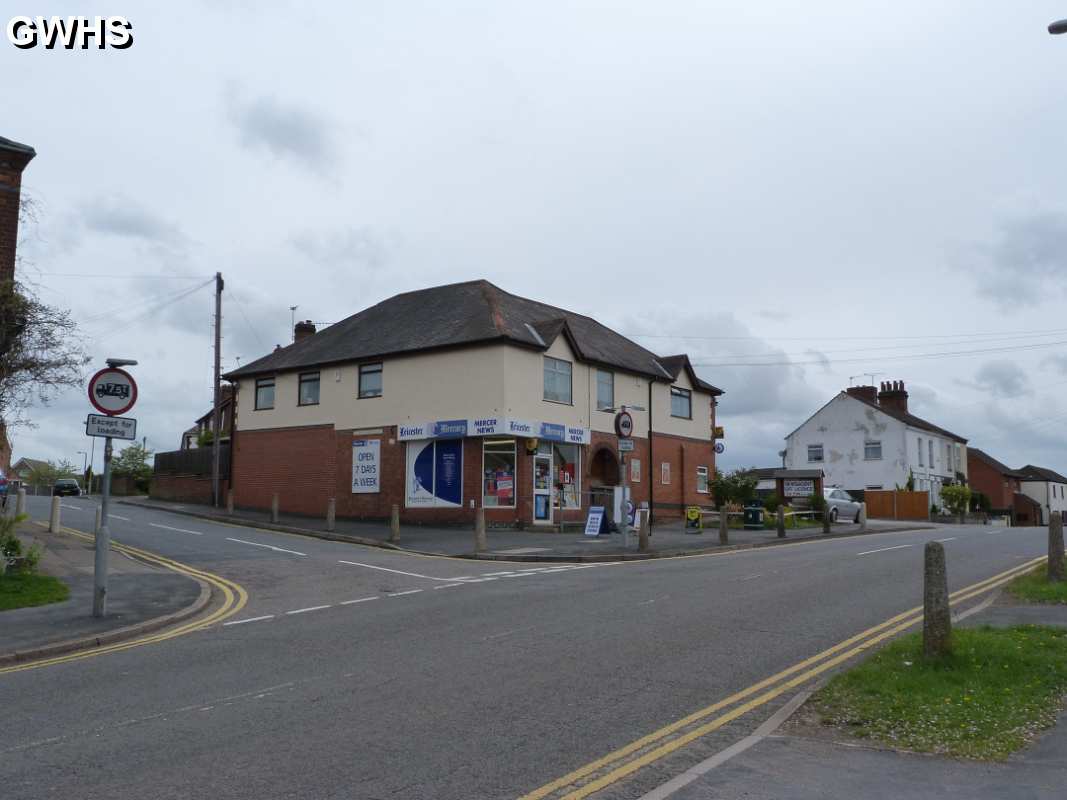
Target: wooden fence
{"type": "Point", "coordinates": [882, 504]}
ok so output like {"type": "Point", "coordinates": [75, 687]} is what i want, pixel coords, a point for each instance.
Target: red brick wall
{"type": "Point", "coordinates": [186, 488]}
{"type": "Point", "coordinates": [300, 464]}
{"type": "Point", "coordinates": [11, 167]}
{"type": "Point", "coordinates": [684, 456]}
{"type": "Point", "coordinates": [986, 479]}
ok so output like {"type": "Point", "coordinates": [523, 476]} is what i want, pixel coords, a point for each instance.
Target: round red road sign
{"type": "Point", "coordinates": [112, 391]}
{"type": "Point", "coordinates": [624, 424]}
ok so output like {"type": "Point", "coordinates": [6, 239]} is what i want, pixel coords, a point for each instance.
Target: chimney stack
{"type": "Point", "coordinates": [893, 396]}
{"type": "Point", "coordinates": [13, 160]}
{"type": "Point", "coordinates": [868, 393]}
{"type": "Point", "coordinates": [303, 330]}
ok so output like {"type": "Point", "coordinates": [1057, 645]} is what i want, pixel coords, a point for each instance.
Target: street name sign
{"type": "Point", "coordinates": [112, 391]}
{"type": "Point", "coordinates": [115, 427]}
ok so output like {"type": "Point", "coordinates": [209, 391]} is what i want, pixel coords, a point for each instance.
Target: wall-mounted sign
{"type": "Point", "coordinates": [798, 488]}
{"type": "Point", "coordinates": [718, 432]}
{"type": "Point", "coordinates": [115, 427]}
{"type": "Point", "coordinates": [435, 474]}
{"type": "Point", "coordinates": [492, 426]}
{"type": "Point", "coordinates": [720, 448]}
{"type": "Point", "coordinates": [366, 470]}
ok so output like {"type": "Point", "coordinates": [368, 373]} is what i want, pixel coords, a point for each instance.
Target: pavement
{"type": "Point", "coordinates": [668, 538]}
{"type": "Point", "coordinates": [361, 672]}
{"type": "Point", "coordinates": [791, 765]}
{"type": "Point", "coordinates": [139, 594]}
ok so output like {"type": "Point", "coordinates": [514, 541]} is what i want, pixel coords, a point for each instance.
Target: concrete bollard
{"type": "Point", "coordinates": [229, 502]}
{"type": "Point", "coordinates": [643, 532]}
{"type": "Point", "coordinates": [724, 526]}
{"type": "Point", "coordinates": [937, 618]}
{"type": "Point", "coordinates": [781, 522]}
{"type": "Point", "coordinates": [863, 517]}
{"type": "Point", "coordinates": [274, 508]}
{"type": "Point", "coordinates": [331, 514]}
{"type": "Point", "coordinates": [96, 521]}
{"type": "Point", "coordinates": [20, 503]}
{"type": "Point", "coordinates": [826, 520]}
{"type": "Point", "coordinates": [54, 521]}
{"type": "Point", "coordinates": [1055, 548]}
{"type": "Point", "coordinates": [480, 543]}
{"type": "Point", "coordinates": [394, 524]}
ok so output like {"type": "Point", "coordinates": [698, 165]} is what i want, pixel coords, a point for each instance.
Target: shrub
{"type": "Point", "coordinates": [818, 502]}
{"type": "Point", "coordinates": [772, 503]}
{"type": "Point", "coordinates": [956, 497]}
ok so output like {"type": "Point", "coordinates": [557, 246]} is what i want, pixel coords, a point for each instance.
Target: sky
{"type": "Point", "coordinates": [793, 194]}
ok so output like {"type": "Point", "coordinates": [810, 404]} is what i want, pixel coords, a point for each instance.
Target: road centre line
{"type": "Point", "coordinates": [268, 546]}
{"type": "Point", "coordinates": [949, 539]}
{"type": "Point", "coordinates": [250, 619]}
{"type": "Point", "coordinates": [305, 610]}
{"type": "Point", "coordinates": [883, 549]}
{"type": "Point", "coordinates": [448, 586]}
{"type": "Point", "coordinates": [179, 530]}
{"type": "Point", "coordinates": [401, 594]}
{"type": "Point", "coordinates": [399, 572]}
{"type": "Point", "coordinates": [895, 625]}
{"type": "Point", "coordinates": [116, 516]}
{"type": "Point", "coordinates": [358, 600]}
{"type": "Point", "coordinates": [73, 508]}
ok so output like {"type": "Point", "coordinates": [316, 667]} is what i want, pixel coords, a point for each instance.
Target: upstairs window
{"type": "Point", "coordinates": [814, 453]}
{"type": "Point", "coordinates": [309, 389]}
{"type": "Point", "coordinates": [921, 452]}
{"type": "Point", "coordinates": [557, 380]}
{"type": "Point", "coordinates": [605, 390]}
{"type": "Point", "coordinates": [264, 393]}
{"type": "Point", "coordinates": [681, 403]}
{"type": "Point", "coordinates": [930, 448]}
{"type": "Point", "coordinates": [872, 451]}
{"type": "Point", "coordinates": [370, 380]}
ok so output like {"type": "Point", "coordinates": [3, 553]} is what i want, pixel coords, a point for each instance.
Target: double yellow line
{"type": "Point", "coordinates": [627, 760]}
{"type": "Point", "coordinates": [234, 598]}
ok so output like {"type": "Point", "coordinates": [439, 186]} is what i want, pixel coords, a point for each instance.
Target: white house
{"type": "Point", "coordinates": [1047, 487]}
{"type": "Point", "coordinates": [866, 438]}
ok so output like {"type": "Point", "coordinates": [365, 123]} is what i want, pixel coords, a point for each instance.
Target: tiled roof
{"type": "Point", "coordinates": [1003, 469]}
{"type": "Point", "coordinates": [456, 315]}
{"type": "Point", "coordinates": [910, 419]}
{"type": "Point", "coordinates": [1032, 473]}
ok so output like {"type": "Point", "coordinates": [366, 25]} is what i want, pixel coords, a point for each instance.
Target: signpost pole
{"type": "Point", "coordinates": [215, 422]}
{"type": "Point", "coordinates": [103, 540]}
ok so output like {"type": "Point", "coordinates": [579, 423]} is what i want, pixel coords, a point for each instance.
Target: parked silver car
{"type": "Point", "coordinates": [841, 505]}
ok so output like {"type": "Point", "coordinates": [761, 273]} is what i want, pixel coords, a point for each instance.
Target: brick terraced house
{"type": "Point", "coordinates": [1003, 486]}
{"type": "Point", "coordinates": [454, 397]}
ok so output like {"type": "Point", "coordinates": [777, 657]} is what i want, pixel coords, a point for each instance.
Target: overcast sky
{"type": "Point", "coordinates": [835, 188]}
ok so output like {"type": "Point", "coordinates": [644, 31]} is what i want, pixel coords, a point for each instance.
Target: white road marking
{"type": "Point", "coordinates": [358, 600]}
{"type": "Point", "coordinates": [949, 539]}
{"type": "Point", "coordinates": [73, 508]}
{"type": "Point", "coordinates": [179, 530]}
{"type": "Point", "coordinates": [250, 619]}
{"type": "Point", "coordinates": [401, 594]}
{"type": "Point", "coordinates": [753, 577]}
{"type": "Point", "coordinates": [304, 610]}
{"type": "Point", "coordinates": [882, 549]}
{"type": "Point", "coordinates": [991, 533]}
{"type": "Point", "coordinates": [124, 519]}
{"type": "Point", "coordinates": [397, 571]}
{"type": "Point", "coordinates": [448, 586]}
{"type": "Point", "coordinates": [487, 574]}
{"type": "Point", "coordinates": [268, 546]}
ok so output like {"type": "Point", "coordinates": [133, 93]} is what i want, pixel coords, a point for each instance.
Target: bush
{"type": "Point", "coordinates": [934, 509]}
{"type": "Point", "coordinates": [772, 503]}
{"type": "Point", "coordinates": [818, 502]}
{"type": "Point", "coordinates": [980, 502]}
{"type": "Point", "coordinates": [957, 498]}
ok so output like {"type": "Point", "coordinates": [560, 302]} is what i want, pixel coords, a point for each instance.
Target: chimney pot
{"type": "Point", "coordinates": [303, 330]}
{"type": "Point", "coordinates": [894, 397]}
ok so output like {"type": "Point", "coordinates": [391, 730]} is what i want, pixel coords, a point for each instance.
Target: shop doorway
{"type": "Point", "coordinates": [604, 471]}
{"type": "Point", "coordinates": [543, 489]}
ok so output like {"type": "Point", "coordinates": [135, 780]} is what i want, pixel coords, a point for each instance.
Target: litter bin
{"type": "Point", "coordinates": [753, 517]}
{"type": "Point", "coordinates": [693, 518]}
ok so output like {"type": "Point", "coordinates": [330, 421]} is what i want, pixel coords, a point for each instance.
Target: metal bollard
{"type": "Point", "coordinates": [643, 532]}
{"type": "Point", "coordinates": [781, 522]}
{"type": "Point", "coordinates": [331, 514]}
{"type": "Point", "coordinates": [480, 543]}
{"type": "Point", "coordinates": [724, 526]}
{"type": "Point", "coordinates": [229, 502]}
{"type": "Point", "coordinates": [54, 521]}
{"type": "Point", "coordinates": [20, 503]}
{"type": "Point", "coordinates": [274, 508]}
{"type": "Point", "coordinates": [394, 525]}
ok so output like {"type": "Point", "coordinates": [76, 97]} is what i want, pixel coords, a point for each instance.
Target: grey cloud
{"type": "Point", "coordinates": [1057, 362]}
{"type": "Point", "coordinates": [118, 216]}
{"type": "Point", "coordinates": [283, 130]}
{"type": "Point", "coordinates": [355, 246]}
{"type": "Point", "coordinates": [1002, 378]}
{"type": "Point", "coordinates": [1029, 254]}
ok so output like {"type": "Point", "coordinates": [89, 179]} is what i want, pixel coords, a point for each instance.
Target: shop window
{"type": "Point", "coordinates": [264, 393]}
{"type": "Point", "coordinates": [635, 470]}
{"type": "Point", "coordinates": [309, 389]}
{"type": "Point", "coordinates": [665, 473]}
{"type": "Point", "coordinates": [557, 380]}
{"type": "Point", "coordinates": [370, 380]}
{"type": "Point", "coordinates": [872, 451]}
{"type": "Point", "coordinates": [568, 475]}
{"type": "Point", "coordinates": [814, 453]}
{"type": "Point", "coordinates": [498, 473]}
{"type": "Point", "coordinates": [605, 390]}
{"type": "Point", "coordinates": [681, 403]}
{"type": "Point", "coordinates": [702, 480]}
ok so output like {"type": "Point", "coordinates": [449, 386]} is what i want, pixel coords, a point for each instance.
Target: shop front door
{"type": "Point", "coordinates": [542, 489]}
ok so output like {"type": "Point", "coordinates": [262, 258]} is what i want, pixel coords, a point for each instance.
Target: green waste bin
{"type": "Point", "coordinates": [753, 517]}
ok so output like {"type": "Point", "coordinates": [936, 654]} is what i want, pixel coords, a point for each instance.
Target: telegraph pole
{"type": "Point", "coordinates": [218, 378]}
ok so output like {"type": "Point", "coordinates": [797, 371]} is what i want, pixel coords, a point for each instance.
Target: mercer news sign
{"type": "Point", "coordinates": [70, 32]}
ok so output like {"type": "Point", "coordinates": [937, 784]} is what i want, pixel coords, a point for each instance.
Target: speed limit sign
{"type": "Point", "coordinates": [112, 391]}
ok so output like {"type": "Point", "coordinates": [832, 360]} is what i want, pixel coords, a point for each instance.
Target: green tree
{"type": "Point", "coordinates": [956, 497]}
{"type": "Point", "coordinates": [133, 462]}
{"type": "Point", "coordinates": [51, 471]}
{"type": "Point", "coordinates": [737, 487]}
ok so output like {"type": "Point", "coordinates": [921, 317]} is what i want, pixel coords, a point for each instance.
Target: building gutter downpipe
{"type": "Point", "coordinates": [651, 381]}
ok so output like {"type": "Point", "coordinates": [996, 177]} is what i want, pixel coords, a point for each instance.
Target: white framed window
{"type": "Point", "coordinates": [702, 480]}
{"type": "Point", "coordinates": [635, 470]}
{"type": "Point", "coordinates": [557, 380]}
{"type": "Point", "coordinates": [370, 380]}
{"type": "Point", "coordinates": [814, 453]}
{"type": "Point", "coordinates": [665, 473]}
{"type": "Point", "coordinates": [605, 390]}
{"type": "Point", "coordinates": [921, 452]}
{"type": "Point", "coordinates": [308, 393]}
{"type": "Point", "coordinates": [930, 449]}
{"type": "Point", "coordinates": [498, 473]}
{"type": "Point", "coordinates": [872, 450]}
{"type": "Point", "coordinates": [681, 403]}
{"type": "Point", "coordinates": [264, 393]}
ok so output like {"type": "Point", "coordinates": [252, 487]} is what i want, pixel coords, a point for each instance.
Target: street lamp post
{"type": "Point", "coordinates": [85, 465]}
{"type": "Point", "coordinates": [1058, 27]}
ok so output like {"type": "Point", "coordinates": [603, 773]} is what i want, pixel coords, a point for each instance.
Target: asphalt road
{"type": "Point", "coordinates": [395, 675]}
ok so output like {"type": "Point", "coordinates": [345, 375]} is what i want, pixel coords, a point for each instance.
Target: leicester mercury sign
{"type": "Point", "coordinates": [115, 427]}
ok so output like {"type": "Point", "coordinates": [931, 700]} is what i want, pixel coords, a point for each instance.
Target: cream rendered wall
{"type": "Point", "coordinates": [699, 427]}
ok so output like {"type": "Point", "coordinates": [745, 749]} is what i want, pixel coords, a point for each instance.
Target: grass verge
{"type": "Point", "coordinates": [23, 589]}
{"type": "Point", "coordinates": [1035, 588]}
{"type": "Point", "coordinates": [998, 689]}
